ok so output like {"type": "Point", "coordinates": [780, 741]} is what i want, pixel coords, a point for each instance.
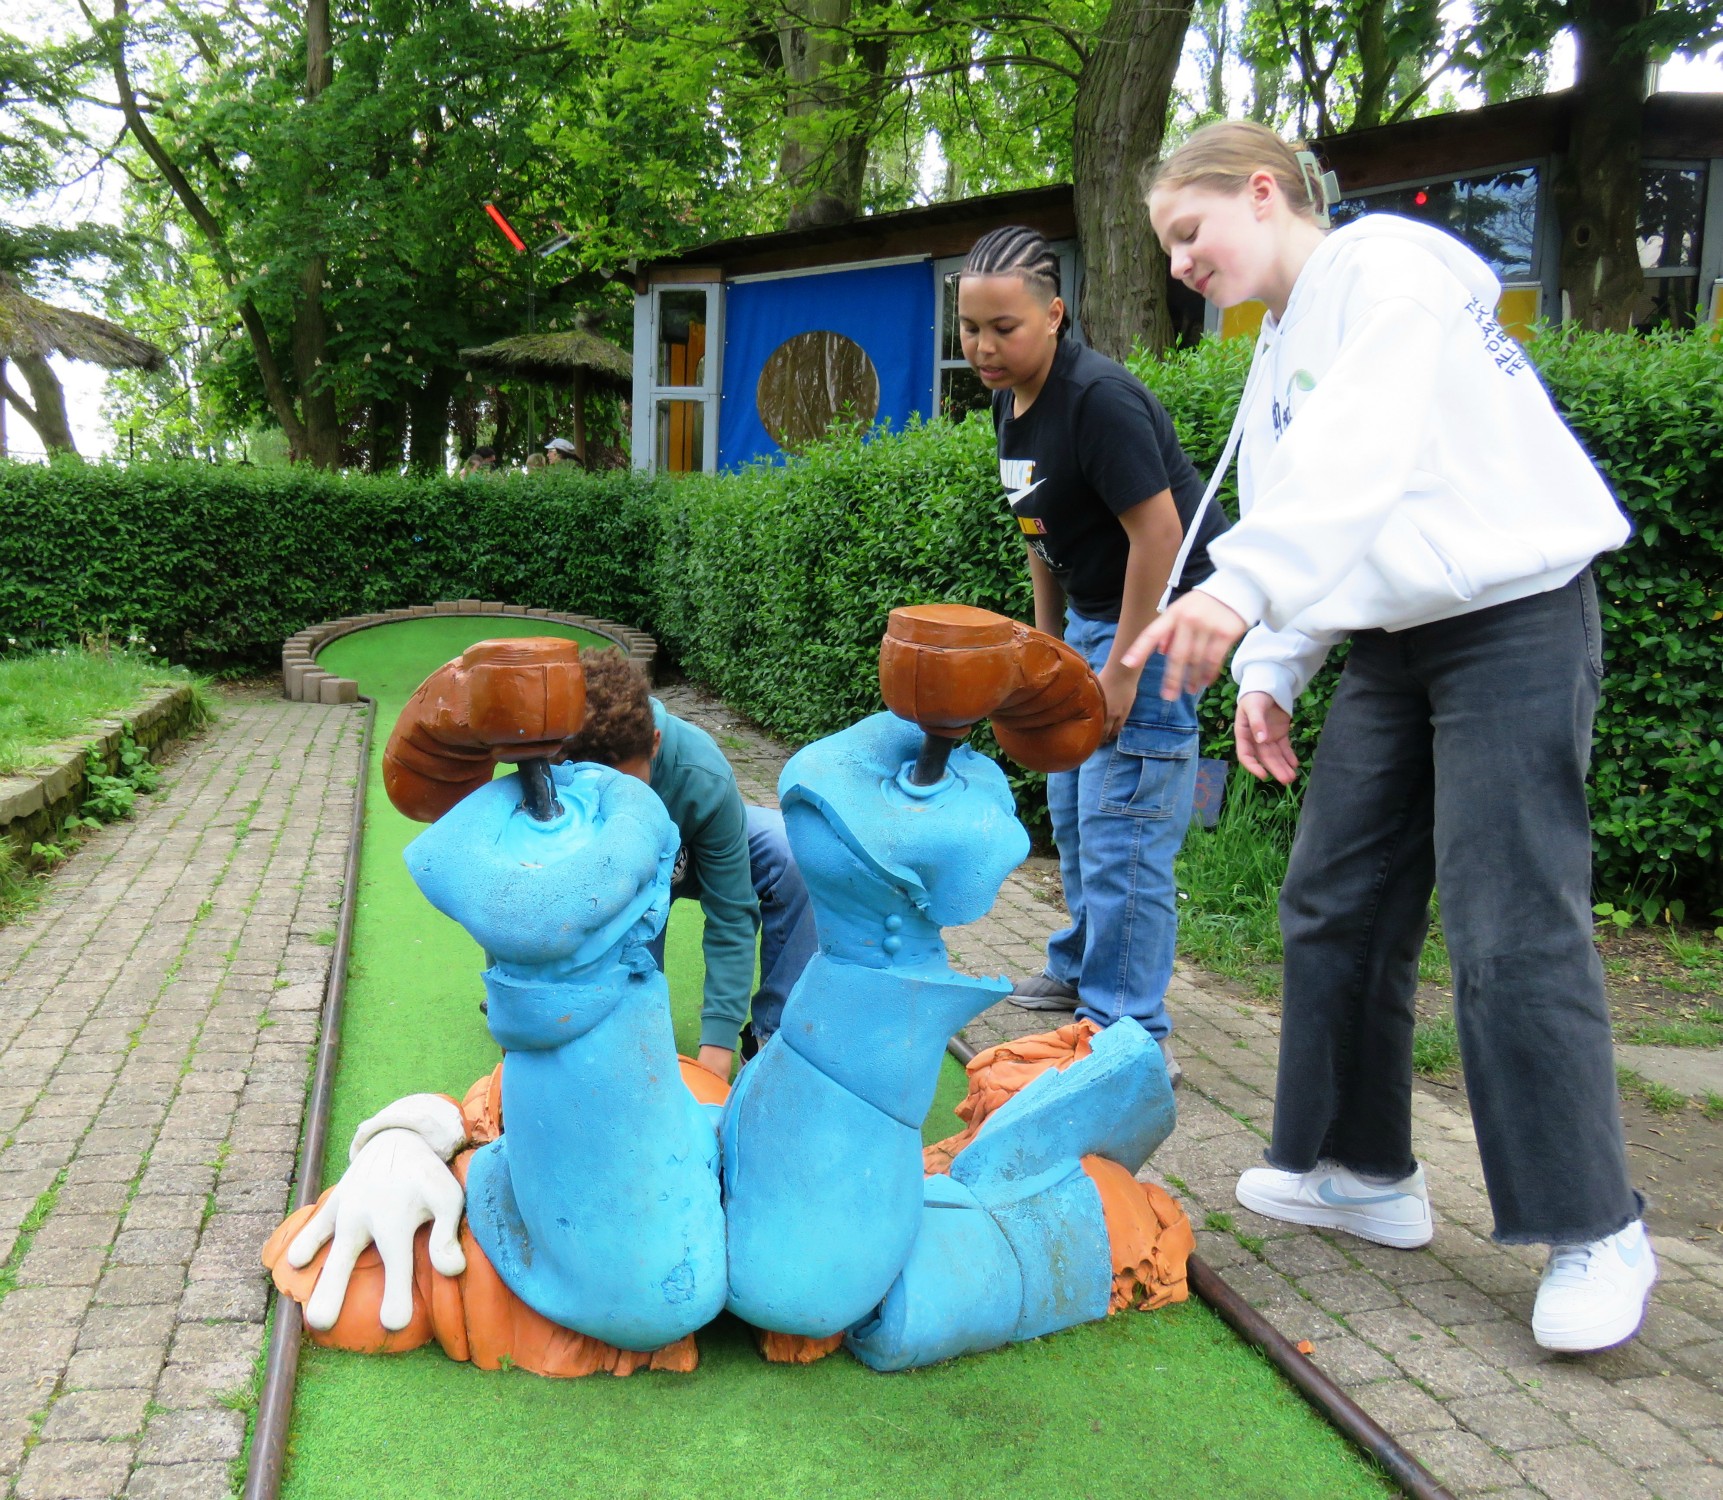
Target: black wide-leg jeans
{"type": "Point", "coordinates": [1454, 756]}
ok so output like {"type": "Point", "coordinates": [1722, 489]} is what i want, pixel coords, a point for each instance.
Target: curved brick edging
{"type": "Point", "coordinates": [304, 681]}
{"type": "Point", "coordinates": [36, 801]}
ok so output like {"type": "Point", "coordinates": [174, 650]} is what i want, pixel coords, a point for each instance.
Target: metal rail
{"type": "Point", "coordinates": [275, 1401]}
{"type": "Point", "coordinates": [1310, 1380]}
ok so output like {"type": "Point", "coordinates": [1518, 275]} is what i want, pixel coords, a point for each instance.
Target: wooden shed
{"type": "Point", "coordinates": [744, 348]}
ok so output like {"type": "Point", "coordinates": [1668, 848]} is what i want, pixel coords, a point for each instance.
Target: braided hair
{"type": "Point", "coordinates": [1016, 250]}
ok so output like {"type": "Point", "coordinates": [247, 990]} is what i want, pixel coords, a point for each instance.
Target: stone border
{"type": "Point", "coordinates": [34, 802]}
{"type": "Point", "coordinates": [303, 681]}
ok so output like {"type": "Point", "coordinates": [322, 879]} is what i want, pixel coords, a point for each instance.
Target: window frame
{"type": "Point", "coordinates": [648, 392]}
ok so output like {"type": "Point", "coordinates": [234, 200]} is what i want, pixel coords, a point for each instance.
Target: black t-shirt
{"type": "Point", "coordinates": [1094, 444]}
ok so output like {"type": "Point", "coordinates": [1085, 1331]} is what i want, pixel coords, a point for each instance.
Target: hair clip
{"type": "Point", "coordinates": [1323, 187]}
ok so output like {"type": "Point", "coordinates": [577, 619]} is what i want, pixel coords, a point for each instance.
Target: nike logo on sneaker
{"type": "Point", "coordinates": [1330, 1195]}
{"type": "Point", "coordinates": [1634, 1255]}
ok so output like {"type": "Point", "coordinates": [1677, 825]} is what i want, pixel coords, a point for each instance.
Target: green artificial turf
{"type": "Point", "coordinates": [1167, 1402]}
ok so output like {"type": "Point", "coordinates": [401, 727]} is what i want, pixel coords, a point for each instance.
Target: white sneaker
{"type": "Point", "coordinates": [1331, 1196]}
{"type": "Point", "coordinates": [1593, 1296]}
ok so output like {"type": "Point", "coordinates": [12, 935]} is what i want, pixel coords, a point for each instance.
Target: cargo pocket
{"type": "Point", "coordinates": [1150, 764]}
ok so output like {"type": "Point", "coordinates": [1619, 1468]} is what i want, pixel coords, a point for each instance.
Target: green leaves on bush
{"type": "Point", "coordinates": [773, 585]}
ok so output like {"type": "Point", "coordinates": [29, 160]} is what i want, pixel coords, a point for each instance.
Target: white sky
{"type": "Point", "coordinates": [85, 383]}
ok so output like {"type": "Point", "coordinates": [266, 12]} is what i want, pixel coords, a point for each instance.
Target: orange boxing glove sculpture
{"type": "Point", "coordinates": [500, 702]}
{"type": "Point", "coordinates": [948, 666]}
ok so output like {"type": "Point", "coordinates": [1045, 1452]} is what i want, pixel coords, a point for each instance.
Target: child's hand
{"type": "Point", "coordinates": [1261, 732]}
{"type": "Point", "coordinates": [1119, 685]}
{"type": "Point", "coordinates": [1195, 634]}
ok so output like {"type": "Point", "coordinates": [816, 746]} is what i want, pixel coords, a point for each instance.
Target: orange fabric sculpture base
{"type": "Point", "coordinates": [475, 1317]}
{"type": "Point", "coordinates": [1150, 1236]}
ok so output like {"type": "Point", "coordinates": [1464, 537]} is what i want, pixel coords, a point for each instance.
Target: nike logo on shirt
{"type": "Point", "coordinates": [1017, 497]}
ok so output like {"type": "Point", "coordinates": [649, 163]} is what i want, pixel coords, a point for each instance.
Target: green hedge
{"type": "Point", "coordinates": [218, 566]}
{"type": "Point", "coordinates": [773, 585]}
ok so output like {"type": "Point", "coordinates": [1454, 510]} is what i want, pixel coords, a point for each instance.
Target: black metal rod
{"type": "Point", "coordinates": [275, 1401]}
{"type": "Point", "coordinates": [538, 789]}
{"type": "Point", "coordinates": [1310, 1380]}
{"type": "Point", "coordinates": [930, 762]}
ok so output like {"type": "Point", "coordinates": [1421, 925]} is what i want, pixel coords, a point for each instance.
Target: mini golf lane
{"type": "Point", "coordinates": [1166, 1401]}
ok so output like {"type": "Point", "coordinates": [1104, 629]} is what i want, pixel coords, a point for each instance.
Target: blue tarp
{"type": "Point", "coordinates": [887, 310]}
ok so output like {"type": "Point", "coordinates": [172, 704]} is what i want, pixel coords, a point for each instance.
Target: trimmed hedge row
{"type": "Point", "coordinates": [773, 585]}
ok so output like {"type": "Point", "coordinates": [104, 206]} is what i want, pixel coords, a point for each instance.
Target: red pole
{"type": "Point", "coordinates": [504, 225]}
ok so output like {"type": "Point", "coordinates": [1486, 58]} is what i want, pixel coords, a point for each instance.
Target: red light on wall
{"type": "Point", "coordinates": [1420, 197]}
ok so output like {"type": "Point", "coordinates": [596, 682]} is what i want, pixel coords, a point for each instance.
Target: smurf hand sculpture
{"type": "Point", "coordinates": [597, 1209]}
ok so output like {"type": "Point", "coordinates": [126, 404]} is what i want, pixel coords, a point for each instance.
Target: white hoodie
{"type": "Point", "coordinates": [1400, 462]}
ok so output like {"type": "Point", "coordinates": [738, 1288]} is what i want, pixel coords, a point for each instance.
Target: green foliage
{"type": "Point", "coordinates": [219, 566]}
{"type": "Point", "coordinates": [1436, 1047]}
{"type": "Point", "coordinates": [56, 694]}
{"type": "Point", "coordinates": [773, 585]}
{"type": "Point", "coordinates": [1650, 412]}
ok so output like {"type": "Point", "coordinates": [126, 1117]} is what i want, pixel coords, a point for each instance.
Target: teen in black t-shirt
{"type": "Point", "coordinates": [1098, 486]}
{"type": "Point", "coordinates": [1093, 445]}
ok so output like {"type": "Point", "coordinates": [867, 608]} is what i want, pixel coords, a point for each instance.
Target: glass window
{"type": "Point", "coordinates": [1496, 214]}
{"type": "Point", "coordinates": [1671, 210]}
{"type": "Point", "coordinates": [811, 381]}
{"type": "Point", "coordinates": [682, 338]}
{"type": "Point", "coordinates": [681, 440]}
{"type": "Point", "coordinates": [961, 392]}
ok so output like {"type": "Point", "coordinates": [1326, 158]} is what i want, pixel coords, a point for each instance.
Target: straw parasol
{"type": "Point", "coordinates": [30, 327]}
{"type": "Point", "coordinates": [579, 358]}
{"type": "Point", "coordinates": [31, 330]}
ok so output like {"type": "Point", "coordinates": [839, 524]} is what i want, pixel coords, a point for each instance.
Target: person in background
{"type": "Point", "coordinates": [482, 460]}
{"type": "Point", "coordinates": [1102, 494]}
{"type": "Point", "coordinates": [735, 860]}
{"type": "Point", "coordinates": [560, 451]}
{"type": "Point", "coordinates": [1406, 484]}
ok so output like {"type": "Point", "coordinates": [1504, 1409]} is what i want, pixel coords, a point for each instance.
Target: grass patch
{"type": "Point", "coordinates": [1659, 1098]}
{"type": "Point", "coordinates": [1436, 1047]}
{"type": "Point", "coordinates": [1712, 1106]}
{"type": "Point", "coordinates": [1229, 879]}
{"type": "Point", "coordinates": [57, 695]}
{"type": "Point", "coordinates": [1702, 1028]}
{"type": "Point", "coordinates": [1019, 1422]}
{"type": "Point", "coordinates": [27, 1232]}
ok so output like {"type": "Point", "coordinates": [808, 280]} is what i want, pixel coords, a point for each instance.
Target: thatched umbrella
{"type": "Point", "coordinates": [579, 358]}
{"type": "Point", "coordinates": [31, 330]}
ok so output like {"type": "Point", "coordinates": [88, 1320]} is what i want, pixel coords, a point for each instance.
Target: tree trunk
{"type": "Point", "coordinates": [578, 437]}
{"type": "Point", "coordinates": [1597, 186]}
{"type": "Point", "coordinates": [310, 328]}
{"type": "Point", "coordinates": [49, 416]}
{"type": "Point", "coordinates": [428, 424]}
{"type": "Point", "coordinates": [823, 159]}
{"type": "Point", "coordinates": [1121, 118]}
{"type": "Point", "coordinates": [1376, 65]}
{"type": "Point", "coordinates": [275, 387]}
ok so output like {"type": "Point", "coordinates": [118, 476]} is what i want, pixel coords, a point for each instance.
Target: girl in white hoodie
{"type": "Point", "coordinates": [1406, 485]}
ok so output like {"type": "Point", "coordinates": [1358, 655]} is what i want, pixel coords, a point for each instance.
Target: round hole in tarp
{"type": "Point", "coordinates": [811, 380]}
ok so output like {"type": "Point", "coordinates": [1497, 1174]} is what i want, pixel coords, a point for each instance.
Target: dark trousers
{"type": "Point", "coordinates": [1454, 755]}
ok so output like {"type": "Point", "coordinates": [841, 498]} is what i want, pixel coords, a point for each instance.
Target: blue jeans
{"type": "Point", "coordinates": [787, 939]}
{"type": "Point", "coordinates": [1119, 820]}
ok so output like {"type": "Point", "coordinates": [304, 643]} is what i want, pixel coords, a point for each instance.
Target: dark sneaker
{"type": "Point", "coordinates": [1043, 992]}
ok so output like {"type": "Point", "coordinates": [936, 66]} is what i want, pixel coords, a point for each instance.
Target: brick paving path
{"type": "Point", "coordinates": [1435, 1344]}
{"type": "Point", "coordinates": [157, 1019]}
